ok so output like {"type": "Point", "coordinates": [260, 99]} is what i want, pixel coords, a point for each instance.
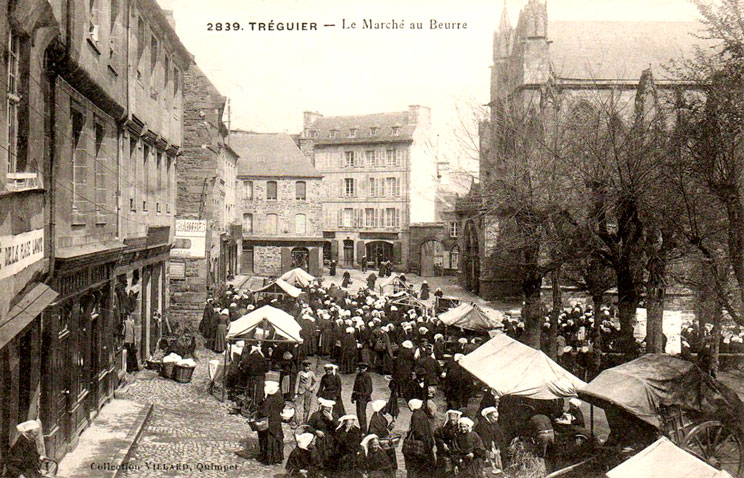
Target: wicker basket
{"type": "Point", "coordinates": [182, 374]}
{"type": "Point", "coordinates": [166, 370]}
{"type": "Point", "coordinates": [259, 425]}
{"type": "Point", "coordinates": [390, 443]}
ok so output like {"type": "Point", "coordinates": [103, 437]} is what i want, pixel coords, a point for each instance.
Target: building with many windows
{"type": "Point", "coordinates": [280, 194]}
{"type": "Point", "coordinates": [379, 176]}
{"type": "Point", "coordinates": [208, 237]}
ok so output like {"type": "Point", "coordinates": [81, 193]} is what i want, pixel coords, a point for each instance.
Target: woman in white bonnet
{"type": "Point", "coordinates": [271, 441]}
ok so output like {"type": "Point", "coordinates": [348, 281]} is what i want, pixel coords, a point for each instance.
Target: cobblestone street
{"type": "Point", "coordinates": [192, 428]}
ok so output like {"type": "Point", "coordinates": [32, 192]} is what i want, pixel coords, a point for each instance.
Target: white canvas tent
{"type": "Point", "coordinates": [512, 368]}
{"type": "Point", "coordinates": [279, 287]}
{"type": "Point", "coordinates": [393, 284]}
{"type": "Point", "coordinates": [470, 317]}
{"type": "Point", "coordinates": [297, 277]}
{"type": "Point", "coordinates": [664, 459]}
{"type": "Point", "coordinates": [283, 324]}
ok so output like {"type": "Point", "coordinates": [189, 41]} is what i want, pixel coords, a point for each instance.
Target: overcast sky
{"type": "Point", "coordinates": [272, 77]}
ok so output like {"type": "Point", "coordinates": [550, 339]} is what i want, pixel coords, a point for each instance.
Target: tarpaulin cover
{"type": "Point", "coordinates": [512, 368]}
{"type": "Point", "coordinates": [664, 459]}
{"type": "Point", "coordinates": [395, 283]}
{"type": "Point", "coordinates": [297, 277]}
{"type": "Point", "coordinates": [284, 324]}
{"type": "Point", "coordinates": [470, 317]}
{"type": "Point", "coordinates": [647, 383]}
{"type": "Point", "coordinates": [280, 287]}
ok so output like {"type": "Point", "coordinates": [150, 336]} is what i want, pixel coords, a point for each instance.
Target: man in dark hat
{"type": "Point", "coordinates": [362, 394]}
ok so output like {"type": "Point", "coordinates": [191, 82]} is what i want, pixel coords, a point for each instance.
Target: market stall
{"type": "Point", "coordinates": [298, 278]}
{"type": "Point", "coordinates": [405, 299]}
{"type": "Point", "coordinates": [278, 289]}
{"type": "Point", "coordinates": [267, 324]}
{"type": "Point", "coordinates": [471, 317]}
{"type": "Point", "coordinates": [394, 284]}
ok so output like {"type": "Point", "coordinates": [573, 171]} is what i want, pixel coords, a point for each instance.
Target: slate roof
{"type": "Point", "coordinates": [384, 122]}
{"type": "Point", "coordinates": [600, 50]}
{"type": "Point", "coordinates": [270, 155]}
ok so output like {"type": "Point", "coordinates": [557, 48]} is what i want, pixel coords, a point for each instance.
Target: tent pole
{"type": "Point", "coordinates": [591, 417]}
{"type": "Point", "coordinates": [224, 370]}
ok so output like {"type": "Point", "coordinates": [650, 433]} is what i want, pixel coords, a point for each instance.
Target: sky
{"type": "Point", "coordinates": [271, 77]}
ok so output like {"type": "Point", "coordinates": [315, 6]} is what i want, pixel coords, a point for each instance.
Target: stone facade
{"type": "Point", "coordinates": [433, 251]}
{"type": "Point", "coordinates": [267, 260]}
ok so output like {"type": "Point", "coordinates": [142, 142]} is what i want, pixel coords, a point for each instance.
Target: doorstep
{"type": "Point", "coordinates": [104, 447]}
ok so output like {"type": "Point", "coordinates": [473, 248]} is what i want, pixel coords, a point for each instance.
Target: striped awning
{"type": "Point", "coordinates": [33, 302]}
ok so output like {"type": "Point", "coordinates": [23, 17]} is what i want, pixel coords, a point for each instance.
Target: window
{"type": "Point", "coordinates": [133, 181]}
{"type": "Point", "coordinates": [146, 174]}
{"type": "Point", "coordinates": [78, 160]}
{"type": "Point", "coordinates": [379, 158]}
{"type": "Point", "coordinates": [159, 175]}
{"type": "Point", "coordinates": [99, 176]}
{"type": "Point", "coordinates": [114, 16]}
{"type": "Point", "coordinates": [300, 224]}
{"type": "Point", "coordinates": [349, 155]}
{"type": "Point", "coordinates": [176, 83]}
{"type": "Point", "coordinates": [391, 157]}
{"type": "Point", "coordinates": [248, 190]}
{"type": "Point", "coordinates": [391, 217]}
{"type": "Point", "coordinates": [373, 131]}
{"type": "Point", "coordinates": [93, 20]}
{"type": "Point", "coordinates": [300, 190]}
{"type": "Point", "coordinates": [168, 164]}
{"type": "Point", "coordinates": [166, 72]}
{"type": "Point", "coordinates": [396, 130]}
{"type": "Point", "coordinates": [348, 217]}
{"type": "Point", "coordinates": [370, 158]}
{"type": "Point", "coordinates": [153, 64]}
{"type": "Point", "coordinates": [454, 228]}
{"type": "Point", "coordinates": [271, 190]}
{"type": "Point", "coordinates": [13, 99]}
{"type": "Point", "coordinates": [313, 134]}
{"type": "Point", "coordinates": [392, 186]}
{"type": "Point", "coordinates": [382, 187]}
{"type": "Point", "coordinates": [369, 217]}
{"type": "Point", "coordinates": [349, 187]}
{"type": "Point", "coordinates": [272, 224]}
{"type": "Point", "coordinates": [248, 223]}
{"type": "Point", "coordinates": [372, 187]}
{"type": "Point", "coordinates": [352, 133]}
{"type": "Point", "coordinates": [140, 42]}
{"type": "Point", "coordinates": [332, 133]}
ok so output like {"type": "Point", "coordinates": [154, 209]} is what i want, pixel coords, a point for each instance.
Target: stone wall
{"type": "Point", "coordinates": [187, 296]}
{"type": "Point", "coordinates": [267, 260]}
{"type": "Point", "coordinates": [286, 206]}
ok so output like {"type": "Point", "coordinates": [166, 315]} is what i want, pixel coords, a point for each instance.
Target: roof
{"type": "Point", "coordinates": [512, 368]}
{"type": "Point", "coordinates": [270, 155]}
{"type": "Point", "coordinates": [298, 277]}
{"type": "Point", "coordinates": [384, 122]}
{"type": "Point", "coordinates": [280, 287]}
{"type": "Point", "coordinates": [644, 385]}
{"type": "Point", "coordinates": [664, 459]}
{"type": "Point", "coordinates": [283, 324]}
{"type": "Point", "coordinates": [618, 50]}
{"type": "Point", "coordinates": [470, 317]}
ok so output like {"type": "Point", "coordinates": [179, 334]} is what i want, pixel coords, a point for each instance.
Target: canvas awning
{"type": "Point", "coordinates": [512, 368]}
{"type": "Point", "coordinates": [664, 459]}
{"type": "Point", "coordinates": [395, 283]}
{"type": "Point", "coordinates": [280, 287]}
{"type": "Point", "coordinates": [297, 277]}
{"type": "Point", "coordinates": [470, 317]}
{"type": "Point", "coordinates": [283, 323]}
{"type": "Point", "coordinates": [25, 311]}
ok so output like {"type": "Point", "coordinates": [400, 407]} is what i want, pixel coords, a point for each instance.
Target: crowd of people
{"type": "Point", "coordinates": [364, 332]}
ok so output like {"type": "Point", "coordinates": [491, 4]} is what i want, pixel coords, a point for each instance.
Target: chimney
{"type": "Point", "coordinates": [419, 115]}
{"type": "Point", "coordinates": [308, 118]}
{"type": "Point", "coordinates": [171, 19]}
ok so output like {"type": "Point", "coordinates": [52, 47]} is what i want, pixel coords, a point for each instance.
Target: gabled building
{"type": "Point", "coordinates": [280, 193]}
{"type": "Point", "coordinates": [379, 176]}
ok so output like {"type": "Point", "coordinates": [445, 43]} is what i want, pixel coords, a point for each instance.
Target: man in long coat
{"type": "Point", "coordinates": [362, 394]}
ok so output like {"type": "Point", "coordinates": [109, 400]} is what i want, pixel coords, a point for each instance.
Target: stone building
{"type": "Point", "coordinates": [379, 177]}
{"type": "Point", "coordinates": [208, 235]}
{"type": "Point", "coordinates": [281, 194]}
{"type": "Point", "coordinates": [573, 64]}
{"type": "Point", "coordinates": [89, 146]}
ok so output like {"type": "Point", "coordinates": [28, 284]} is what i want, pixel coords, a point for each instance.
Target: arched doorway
{"type": "Point", "coordinates": [431, 258]}
{"type": "Point", "coordinates": [379, 251]}
{"type": "Point", "coordinates": [471, 258]}
{"type": "Point", "coordinates": [301, 258]}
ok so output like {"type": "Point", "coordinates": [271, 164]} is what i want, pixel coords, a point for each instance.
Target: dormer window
{"type": "Point", "coordinates": [333, 133]}
{"type": "Point", "coordinates": [352, 133]}
{"type": "Point", "coordinates": [396, 130]}
{"type": "Point", "coordinates": [313, 134]}
{"type": "Point", "coordinates": [373, 131]}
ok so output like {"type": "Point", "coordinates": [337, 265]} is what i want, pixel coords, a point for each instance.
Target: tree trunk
{"type": "Point", "coordinates": [597, 299]}
{"type": "Point", "coordinates": [655, 295]}
{"type": "Point", "coordinates": [627, 304]}
{"type": "Point", "coordinates": [532, 311]}
{"type": "Point", "coordinates": [556, 312]}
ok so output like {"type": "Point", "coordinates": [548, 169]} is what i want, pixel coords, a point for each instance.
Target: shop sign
{"type": "Point", "coordinates": [190, 238]}
{"type": "Point", "coordinates": [20, 251]}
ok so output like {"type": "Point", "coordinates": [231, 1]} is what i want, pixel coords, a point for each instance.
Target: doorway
{"type": "Point", "coordinates": [431, 258]}
{"type": "Point", "coordinates": [348, 253]}
{"type": "Point", "coordinates": [300, 258]}
{"type": "Point", "coordinates": [379, 251]}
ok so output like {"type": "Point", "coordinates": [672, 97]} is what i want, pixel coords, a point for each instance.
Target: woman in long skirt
{"type": "Point", "coordinates": [348, 436]}
{"type": "Point", "coordinates": [220, 341]}
{"type": "Point", "coordinates": [379, 426]}
{"type": "Point", "coordinates": [420, 466]}
{"type": "Point", "coordinates": [271, 441]}
{"type": "Point", "coordinates": [348, 351]}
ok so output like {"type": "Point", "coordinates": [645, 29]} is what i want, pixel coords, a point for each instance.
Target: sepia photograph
{"type": "Point", "coordinates": [331, 239]}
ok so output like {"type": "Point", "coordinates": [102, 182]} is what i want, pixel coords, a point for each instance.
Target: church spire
{"type": "Point", "coordinates": [504, 24]}
{"type": "Point", "coordinates": [502, 38]}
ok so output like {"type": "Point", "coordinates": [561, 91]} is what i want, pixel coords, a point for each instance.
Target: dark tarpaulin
{"type": "Point", "coordinates": [644, 385]}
